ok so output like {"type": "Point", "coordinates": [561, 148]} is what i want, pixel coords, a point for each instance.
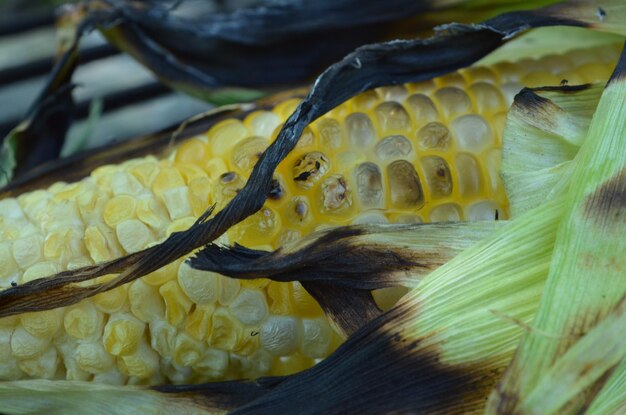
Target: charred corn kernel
{"type": "Point", "coordinates": [408, 153]}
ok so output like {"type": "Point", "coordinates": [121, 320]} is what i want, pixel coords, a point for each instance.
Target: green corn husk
{"type": "Point", "coordinates": [545, 129]}
{"type": "Point", "coordinates": [612, 397]}
{"type": "Point", "coordinates": [587, 279]}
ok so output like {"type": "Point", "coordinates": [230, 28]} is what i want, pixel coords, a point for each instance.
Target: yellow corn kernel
{"type": "Point", "coordinates": [122, 334]}
{"type": "Point", "coordinates": [398, 154]}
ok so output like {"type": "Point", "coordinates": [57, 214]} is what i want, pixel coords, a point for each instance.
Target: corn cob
{"type": "Point", "coordinates": [418, 152]}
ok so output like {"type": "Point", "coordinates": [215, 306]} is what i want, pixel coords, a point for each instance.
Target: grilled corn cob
{"type": "Point", "coordinates": [418, 152]}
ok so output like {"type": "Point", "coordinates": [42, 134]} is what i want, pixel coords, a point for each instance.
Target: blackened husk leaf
{"type": "Point", "coordinates": [367, 67]}
{"type": "Point", "coordinates": [40, 136]}
{"type": "Point", "coordinates": [271, 44]}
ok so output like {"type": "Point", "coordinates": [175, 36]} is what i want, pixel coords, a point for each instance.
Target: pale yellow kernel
{"type": "Point", "coordinates": [452, 79]}
{"type": "Point", "coordinates": [97, 244]}
{"type": "Point", "coordinates": [225, 135]}
{"type": "Point", "coordinates": [10, 209]}
{"type": "Point", "coordinates": [39, 270]}
{"type": "Point", "coordinates": [63, 245]}
{"type": "Point", "coordinates": [392, 117]}
{"type": "Point", "coordinates": [285, 108]}
{"type": "Point", "coordinates": [254, 366]}
{"type": "Point", "coordinates": [307, 138]}
{"type": "Point", "coordinates": [422, 108]}
{"type": "Point", "coordinates": [447, 212]}
{"type": "Point", "coordinates": [192, 151]}
{"type": "Point", "coordinates": [79, 263]}
{"type": "Point", "coordinates": [394, 147]}
{"type": "Point", "coordinates": [434, 136]}
{"type": "Point", "coordinates": [191, 172]}
{"type": "Point", "coordinates": [226, 187]}
{"type": "Point", "coordinates": [202, 287]}
{"type": "Point", "coordinates": [404, 185]}
{"type": "Point", "coordinates": [167, 178]}
{"type": "Point", "coordinates": [163, 274]}
{"type": "Point", "coordinates": [487, 97]}
{"type": "Point", "coordinates": [177, 203]}
{"type": "Point", "coordinates": [122, 334]}
{"type": "Point", "coordinates": [112, 377]}
{"type": "Point", "coordinates": [92, 358]}
{"type": "Point", "coordinates": [493, 160]}
{"type": "Point", "coordinates": [438, 176]}
{"type": "Point", "coordinates": [142, 363]}
{"type": "Point", "coordinates": [119, 209]}
{"type": "Point", "coordinates": [226, 330]}
{"type": "Point", "coordinates": [61, 215]}
{"type": "Point", "coordinates": [484, 210]}
{"type": "Point", "coordinates": [247, 152]}
{"type": "Point", "coordinates": [176, 374]}
{"type": "Point", "coordinates": [215, 167]}
{"type": "Point", "coordinates": [392, 93]}
{"type": "Point", "coordinates": [472, 133]}
{"type": "Point", "coordinates": [257, 228]}
{"type": "Point", "coordinates": [83, 321]}
{"type": "Point", "coordinates": [366, 100]}
{"type": "Point", "coordinates": [91, 205]}
{"type": "Point", "coordinates": [595, 71]}
{"type": "Point", "coordinates": [162, 337]}
{"type": "Point", "coordinates": [133, 235]}
{"type": "Point", "coordinates": [369, 219]}
{"type": "Point", "coordinates": [509, 90]}
{"type": "Point", "coordinates": [330, 132]}
{"type": "Point", "coordinates": [9, 322]}
{"type": "Point", "coordinates": [145, 301]}
{"type": "Point", "coordinates": [44, 366]}
{"type": "Point", "coordinates": [177, 304]}
{"type": "Point", "coordinates": [198, 323]}
{"type": "Point", "coordinates": [279, 294]}
{"type": "Point", "coordinates": [213, 362]}
{"type": "Point", "coordinates": [9, 369]}
{"type": "Point", "coordinates": [262, 123]}
{"type": "Point", "coordinates": [508, 71]}
{"type": "Point", "coordinates": [280, 335]}
{"type": "Point", "coordinates": [316, 338]}
{"type": "Point", "coordinates": [26, 346]}
{"type": "Point", "coordinates": [453, 102]}
{"type": "Point", "coordinates": [187, 350]}
{"type": "Point", "coordinates": [123, 183]}
{"type": "Point", "coordinates": [423, 87]}
{"type": "Point", "coordinates": [303, 304]}
{"type": "Point", "coordinates": [113, 300]}
{"type": "Point", "coordinates": [480, 74]}
{"type": "Point", "coordinates": [360, 130]}
{"type": "Point", "coordinates": [468, 175]}
{"type": "Point", "coordinates": [42, 323]}
{"type": "Point", "coordinates": [539, 78]}
{"type": "Point", "coordinates": [199, 195]}
{"type": "Point", "coordinates": [249, 306]}
{"type": "Point", "coordinates": [229, 288]}
{"type": "Point", "coordinates": [386, 298]}
{"type": "Point", "coordinates": [145, 172]}
{"type": "Point", "coordinates": [27, 251]}
{"type": "Point", "coordinates": [180, 225]}
{"type": "Point", "coordinates": [151, 212]}
{"type": "Point", "coordinates": [9, 270]}
{"type": "Point", "coordinates": [34, 204]}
